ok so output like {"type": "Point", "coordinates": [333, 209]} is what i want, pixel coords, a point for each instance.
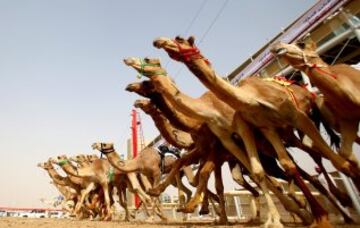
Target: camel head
{"type": "Point", "coordinates": [180, 49]}
{"type": "Point", "coordinates": [147, 67]}
{"type": "Point", "coordinates": [91, 157]}
{"type": "Point", "coordinates": [59, 160]}
{"type": "Point", "coordinates": [146, 105]}
{"type": "Point", "coordinates": [45, 165]}
{"type": "Point", "coordinates": [299, 55]}
{"type": "Point", "coordinates": [104, 148]}
{"type": "Point", "coordinates": [78, 158]}
{"type": "Point", "coordinates": [144, 88]}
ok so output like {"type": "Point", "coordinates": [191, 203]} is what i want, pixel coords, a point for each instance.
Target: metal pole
{"type": "Point", "coordinates": [237, 208]}
{"type": "Point", "coordinates": [352, 193]}
{"type": "Point", "coordinates": [354, 27]}
{"type": "Point", "coordinates": [134, 145]}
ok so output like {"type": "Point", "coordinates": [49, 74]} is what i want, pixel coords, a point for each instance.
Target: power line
{"type": "Point", "coordinates": [195, 17]}
{"type": "Point", "coordinates": [214, 21]}
{"type": "Point", "coordinates": [192, 22]}
{"type": "Point", "coordinates": [207, 30]}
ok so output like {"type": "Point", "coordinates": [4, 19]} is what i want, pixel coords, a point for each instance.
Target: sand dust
{"type": "Point", "coordinates": [67, 223]}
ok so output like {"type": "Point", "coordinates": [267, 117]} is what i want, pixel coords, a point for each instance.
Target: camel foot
{"type": "Point", "coordinates": [150, 219]}
{"type": "Point", "coordinates": [186, 209]}
{"type": "Point", "coordinates": [273, 222]}
{"type": "Point", "coordinates": [107, 218]}
{"type": "Point", "coordinates": [350, 170]}
{"type": "Point", "coordinates": [204, 210]}
{"type": "Point", "coordinates": [254, 221]}
{"type": "Point", "coordinates": [222, 221]}
{"type": "Point", "coordinates": [156, 191]}
{"type": "Point", "coordinates": [322, 222]}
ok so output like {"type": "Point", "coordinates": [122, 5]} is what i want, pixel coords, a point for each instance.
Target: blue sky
{"type": "Point", "coordinates": [62, 78]}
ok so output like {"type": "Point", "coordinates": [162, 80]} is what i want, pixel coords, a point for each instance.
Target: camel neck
{"type": "Point", "coordinates": [54, 175]}
{"type": "Point", "coordinates": [221, 88]}
{"type": "Point", "coordinates": [322, 78]}
{"type": "Point", "coordinates": [176, 119]}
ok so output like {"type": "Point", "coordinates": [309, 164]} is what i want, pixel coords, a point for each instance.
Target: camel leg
{"type": "Point", "coordinates": [145, 181]}
{"type": "Point", "coordinates": [84, 193]}
{"type": "Point", "coordinates": [204, 175]}
{"type": "Point", "coordinates": [320, 214]}
{"type": "Point", "coordinates": [292, 195]}
{"type": "Point", "coordinates": [105, 187]}
{"type": "Point", "coordinates": [122, 201]}
{"type": "Point", "coordinates": [219, 185]}
{"type": "Point", "coordinates": [343, 197]}
{"type": "Point", "coordinates": [305, 125]}
{"type": "Point", "coordinates": [246, 134]}
{"type": "Point", "coordinates": [289, 204]}
{"type": "Point", "coordinates": [137, 188]}
{"type": "Point", "coordinates": [185, 159]}
{"type": "Point", "coordinates": [316, 183]}
{"type": "Point", "coordinates": [238, 177]}
{"type": "Point", "coordinates": [182, 191]}
{"type": "Point", "coordinates": [348, 131]}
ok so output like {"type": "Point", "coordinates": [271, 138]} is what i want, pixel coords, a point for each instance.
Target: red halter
{"type": "Point", "coordinates": [186, 55]}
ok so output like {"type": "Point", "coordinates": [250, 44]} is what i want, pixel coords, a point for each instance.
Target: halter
{"type": "Point", "coordinates": [63, 162]}
{"type": "Point", "coordinates": [142, 72]}
{"type": "Point", "coordinates": [313, 65]}
{"type": "Point", "coordinates": [188, 54]}
{"type": "Point", "coordinates": [105, 150]}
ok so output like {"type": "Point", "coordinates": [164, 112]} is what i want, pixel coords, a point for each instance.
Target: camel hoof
{"type": "Point", "coordinates": [222, 221]}
{"type": "Point", "coordinates": [154, 192]}
{"type": "Point", "coordinates": [323, 222]}
{"type": "Point", "coordinates": [185, 210]}
{"type": "Point", "coordinates": [204, 211]}
{"type": "Point", "coordinates": [254, 221]}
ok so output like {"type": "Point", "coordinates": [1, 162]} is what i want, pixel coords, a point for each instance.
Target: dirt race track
{"type": "Point", "coordinates": [67, 223]}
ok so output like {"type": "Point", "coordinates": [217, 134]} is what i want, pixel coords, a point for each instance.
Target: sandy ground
{"type": "Point", "coordinates": [67, 223]}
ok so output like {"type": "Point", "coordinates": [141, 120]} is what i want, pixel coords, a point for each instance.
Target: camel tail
{"type": "Point", "coordinates": [317, 119]}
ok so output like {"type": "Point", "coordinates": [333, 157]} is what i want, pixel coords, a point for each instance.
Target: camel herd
{"type": "Point", "coordinates": [250, 126]}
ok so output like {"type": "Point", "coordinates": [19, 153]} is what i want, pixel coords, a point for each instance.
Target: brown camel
{"type": "Point", "coordinates": [263, 104]}
{"type": "Point", "coordinates": [207, 107]}
{"type": "Point", "coordinates": [339, 85]}
{"type": "Point", "coordinates": [146, 163]}
{"type": "Point", "coordinates": [97, 173]}
{"type": "Point", "coordinates": [63, 184]}
{"type": "Point", "coordinates": [319, 186]}
{"type": "Point", "coordinates": [160, 120]}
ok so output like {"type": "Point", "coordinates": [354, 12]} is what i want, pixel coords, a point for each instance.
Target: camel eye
{"type": "Point", "coordinates": [301, 45]}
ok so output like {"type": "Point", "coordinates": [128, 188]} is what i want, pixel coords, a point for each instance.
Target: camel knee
{"type": "Point", "coordinates": [289, 166]}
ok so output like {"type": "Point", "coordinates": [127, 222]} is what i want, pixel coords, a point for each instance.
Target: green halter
{"type": "Point", "coordinates": [110, 174]}
{"type": "Point", "coordinates": [63, 162]}
{"type": "Point", "coordinates": [143, 64]}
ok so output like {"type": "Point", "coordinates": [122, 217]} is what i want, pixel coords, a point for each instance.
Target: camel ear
{"type": "Point", "coordinates": [191, 40]}
{"type": "Point", "coordinates": [310, 45]}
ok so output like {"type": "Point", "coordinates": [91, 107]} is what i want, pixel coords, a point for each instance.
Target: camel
{"type": "Point", "coordinates": [315, 182]}
{"type": "Point", "coordinates": [97, 173]}
{"type": "Point", "coordinates": [64, 186]}
{"type": "Point", "coordinates": [174, 136]}
{"type": "Point", "coordinates": [339, 85]}
{"type": "Point", "coordinates": [265, 105]}
{"type": "Point", "coordinates": [146, 163]}
{"type": "Point", "coordinates": [222, 133]}
{"type": "Point", "coordinates": [161, 120]}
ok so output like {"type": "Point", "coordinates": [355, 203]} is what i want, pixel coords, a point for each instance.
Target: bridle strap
{"type": "Point", "coordinates": [318, 68]}
{"type": "Point", "coordinates": [188, 54]}
{"type": "Point", "coordinates": [63, 162]}
{"type": "Point", "coordinates": [142, 72]}
{"type": "Point", "coordinates": [106, 150]}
